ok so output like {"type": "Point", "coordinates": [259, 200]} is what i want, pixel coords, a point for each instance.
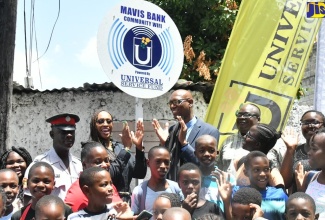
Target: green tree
{"type": "Point", "coordinates": [208, 23]}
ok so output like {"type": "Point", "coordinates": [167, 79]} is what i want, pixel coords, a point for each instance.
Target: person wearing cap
{"type": "Point", "coordinates": [66, 166]}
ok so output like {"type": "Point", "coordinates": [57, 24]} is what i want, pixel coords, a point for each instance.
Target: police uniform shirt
{"type": "Point", "coordinates": [63, 179]}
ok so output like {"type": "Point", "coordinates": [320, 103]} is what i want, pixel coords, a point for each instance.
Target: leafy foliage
{"type": "Point", "coordinates": [209, 23]}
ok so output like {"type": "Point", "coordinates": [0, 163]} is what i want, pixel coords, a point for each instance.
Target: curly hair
{"type": "Point", "coordinates": [247, 195]}
{"type": "Point", "coordinates": [175, 200]}
{"type": "Point", "coordinates": [21, 151]}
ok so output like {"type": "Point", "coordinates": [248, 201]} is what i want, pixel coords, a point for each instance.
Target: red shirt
{"type": "Point", "coordinates": [77, 200]}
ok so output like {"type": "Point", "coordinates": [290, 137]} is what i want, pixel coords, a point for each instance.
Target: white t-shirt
{"type": "Point", "coordinates": [317, 192]}
{"type": "Point", "coordinates": [83, 214]}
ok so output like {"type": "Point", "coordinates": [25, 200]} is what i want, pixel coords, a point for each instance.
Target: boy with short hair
{"type": "Point", "coordinates": [96, 184]}
{"type": "Point", "coordinates": [40, 182]}
{"type": "Point", "coordinates": [206, 152]}
{"type": "Point", "coordinates": [9, 182]}
{"type": "Point", "coordinates": [49, 207]}
{"type": "Point", "coordinates": [189, 180]}
{"type": "Point", "coordinates": [300, 206]}
{"type": "Point", "coordinates": [246, 204]}
{"type": "Point", "coordinates": [257, 169]}
{"type": "Point", "coordinates": [144, 195]}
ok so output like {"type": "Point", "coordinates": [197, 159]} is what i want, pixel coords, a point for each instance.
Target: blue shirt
{"type": "Point", "coordinates": [189, 126]}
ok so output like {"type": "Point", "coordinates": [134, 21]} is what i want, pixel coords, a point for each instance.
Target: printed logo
{"type": "Point", "coordinates": [139, 45]}
{"type": "Point", "coordinates": [315, 9]}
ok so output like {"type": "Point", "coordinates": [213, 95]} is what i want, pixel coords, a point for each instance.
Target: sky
{"type": "Point", "coordinates": [71, 59]}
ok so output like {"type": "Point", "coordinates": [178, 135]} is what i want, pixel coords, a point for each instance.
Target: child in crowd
{"type": "Point", "coordinates": [316, 186]}
{"type": "Point", "coordinates": [300, 206]}
{"type": "Point", "coordinates": [257, 169]}
{"type": "Point", "coordinates": [49, 207]}
{"type": "Point", "coordinates": [93, 154]}
{"type": "Point", "coordinates": [176, 213]}
{"type": "Point", "coordinates": [9, 182]}
{"type": "Point", "coordinates": [189, 180]}
{"type": "Point", "coordinates": [17, 159]}
{"type": "Point", "coordinates": [96, 184]}
{"type": "Point", "coordinates": [163, 202]}
{"type": "Point", "coordinates": [3, 200]}
{"type": "Point", "coordinates": [40, 183]}
{"type": "Point", "coordinates": [206, 152]}
{"type": "Point", "coordinates": [144, 195]}
{"type": "Point", "coordinates": [246, 204]}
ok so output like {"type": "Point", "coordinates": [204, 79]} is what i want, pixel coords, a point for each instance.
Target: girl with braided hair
{"type": "Point", "coordinates": [17, 159]}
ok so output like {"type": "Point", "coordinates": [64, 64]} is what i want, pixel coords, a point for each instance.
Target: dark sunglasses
{"type": "Point", "coordinates": [102, 121]}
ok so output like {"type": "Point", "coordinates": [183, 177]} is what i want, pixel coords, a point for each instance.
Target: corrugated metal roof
{"type": "Point", "coordinates": [204, 87]}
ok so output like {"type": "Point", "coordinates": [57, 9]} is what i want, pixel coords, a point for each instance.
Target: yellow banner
{"type": "Point", "coordinates": [264, 62]}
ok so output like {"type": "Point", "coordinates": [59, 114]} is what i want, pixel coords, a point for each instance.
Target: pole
{"type": "Point", "coordinates": [8, 17]}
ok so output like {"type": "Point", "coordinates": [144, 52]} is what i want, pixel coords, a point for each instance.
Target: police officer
{"type": "Point", "coordinates": [66, 167]}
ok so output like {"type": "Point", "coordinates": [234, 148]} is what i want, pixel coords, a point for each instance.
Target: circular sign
{"type": "Point", "coordinates": [140, 49]}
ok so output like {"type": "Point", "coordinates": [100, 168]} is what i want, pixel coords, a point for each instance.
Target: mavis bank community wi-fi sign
{"type": "Point", "coordinates": [140, 48]}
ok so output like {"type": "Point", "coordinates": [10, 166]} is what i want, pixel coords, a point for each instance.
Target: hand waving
{"type": "Point", "coordinates": [162, 133]}
{"type": "Point", "coordinates": [137, 137]}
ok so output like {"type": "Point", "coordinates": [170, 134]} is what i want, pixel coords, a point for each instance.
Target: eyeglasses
{"type": "Point", "coordinates": [102, 121]}
{"type": "Point", "coordinates": [248, 134]}
{"type": "Point", "coordinates": [176, 102]}
{"type": "Point", "coordinates": [245, 115]}
{"type": "Point", "coordinates": [309, 123]}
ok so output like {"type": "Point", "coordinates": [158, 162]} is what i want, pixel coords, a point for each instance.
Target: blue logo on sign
{"type": "Point", "coordinates": [142, 47]}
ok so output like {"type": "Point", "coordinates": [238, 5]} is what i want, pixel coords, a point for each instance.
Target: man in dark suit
{"type": "Point", "coordinates": [180, 139]}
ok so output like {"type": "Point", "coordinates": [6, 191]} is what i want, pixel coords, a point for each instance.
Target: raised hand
{"type": "Point", "coordinates": [137, 137]}
{"type": "Point", "coordinates": [290, 138]}
{"type": "Point", "coordinates": [162, 133]}
{"type": "Point", "coordinates": [299, 176]}
{"type": "Point", "coordinates": [123, 211]}
{"type": "Point", "coordinates": [224, 186]}
{"type": "Point", "coordinates": [257, 210]}
{"type": "Point", "coordinates": [182, 131]}
{"type": "Point", "coordinates": [126, 136]}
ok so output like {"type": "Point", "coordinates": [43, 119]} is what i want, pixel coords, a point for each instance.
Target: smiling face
{"type": "Point", "coordinates": [184, 106]}
{"type": "Point", "coordinates": [189, 182]}
{"type": "Point", "coordinates": [101, 191]}
{"type": "Point", "coordinates": [160, 205]}
{"type": "Point", "coordinates": [300, 208]}
{"type": "Point", "coordinates": [104, 125]}
{"type": "Point", "coordinates": [206, 150]}
{"type": "Point", "coordinates": [41, 182]}
{"type": "Point", "coordinates": [247, 116]}
{"type": "Point", "coordinates": [316, 153]}
{"type": "Point", "coordinates": [9, 182]}
{"type": "Point", "coordinates": [310, 123]}
{"type": "Point", "coordinates": [97, 157]}
{"type": "Point", "coordinates": [62, 140]}
{"type": "Point", "coordinates": [258, 172]}
{"type": "Point", "coordinates": [159, 163]}
{"type": "Point", "coordinates": [16, 163]}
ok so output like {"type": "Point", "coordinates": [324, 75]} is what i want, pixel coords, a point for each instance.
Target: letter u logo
{"type": "Point", "coordinates": [137, 58]}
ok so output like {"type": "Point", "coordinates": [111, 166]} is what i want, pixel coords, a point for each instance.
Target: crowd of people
{"type": "Point", "coordinates": [258, 173]}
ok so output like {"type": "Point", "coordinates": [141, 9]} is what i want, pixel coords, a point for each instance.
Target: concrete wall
{"type": "Point", "coordinates": [30, 110]}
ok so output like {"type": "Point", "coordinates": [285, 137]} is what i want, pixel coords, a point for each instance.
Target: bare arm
{"type": "Point", "coordinates": [290, 138]}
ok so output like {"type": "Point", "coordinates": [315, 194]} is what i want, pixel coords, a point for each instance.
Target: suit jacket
{"type": "Point", "coordinates": [178, 156]}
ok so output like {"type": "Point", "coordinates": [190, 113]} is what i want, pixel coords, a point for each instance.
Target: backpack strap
{"type": "Point", "coordinates": [23, 216]}
{"type": "Point", "coordinates": [143, 195]}
{"type": "Point", "coordinates": [312, 176]}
